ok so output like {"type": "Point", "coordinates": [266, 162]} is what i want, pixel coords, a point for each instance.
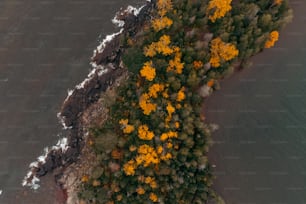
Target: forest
{"type": "Point", "coordinates": [160, 138]}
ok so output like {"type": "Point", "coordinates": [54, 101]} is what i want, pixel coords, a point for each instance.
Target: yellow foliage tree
{"type": "Point", "coordinates": [163, 6]}
{"type": "Point", "coordinates": [217, 9]}
{"type": "Point", "coordinates": [181, 95]}
{"type": "Point", "coordinates": [148, 71]}
{"type": "Point", "coordinates": [140, 191]}
{"type": "Point", "coordinates": [168, 135]}
{"type": "Point", "coordinates": [161, 23]}
{"type": "Point", "coordinates": [176, 64]}
{"type": "Point", "coordinates": [129, 168]}
{"type": "Point", "coordinates": [221, 51]}
{"type": "Point", "coordinates": [273, 37]}
{"type": "Point", "coordinates": [161, 46]}
{"type": "Point", "coordinates": [153, 197]}
{"type": "Point", "coordinates": [145, 104]}
{"type": "Point", "coordinates": [144, 133]}
{"type": "Point", "coordinates": [155, 89]}
{"type": "Point", "coordinates": [126, 127]}
{"type": "Point", "coordinates": [146, 155]}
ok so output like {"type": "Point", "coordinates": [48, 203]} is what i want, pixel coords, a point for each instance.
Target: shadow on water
{"type": "Point", "coordinates": [260, 148]}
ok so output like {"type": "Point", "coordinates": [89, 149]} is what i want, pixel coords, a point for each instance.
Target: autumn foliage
{"type": "Point", "coordinates": [176, 64]}
{"type": "Point", "coordinates": [156, 121]}
{"type": "Point", "coordinates": [162, 21]}
{"type": "Point", "coordinates": [159, 47]}
{"type": "Point", "coordinates": [273, 37]}
{"type": "Point", "coordinates": [278, 2]}
{"type": "Point", "coordinates": [144, 133]}
{"type": "Point", "coordinates": [221, 52]}
{"type": "Point", "coordinates": [163, 6]}
{"type": "Point", "coordinates": [218, 8]}
{"type": "Point", "coordinates": [146, 105]}
{"type": "Point", "coordinates": [148, 71]}
{"type": "Point", "coordinates": [125, 126]}
{"type": "Point", "coordinates": [197, 64]}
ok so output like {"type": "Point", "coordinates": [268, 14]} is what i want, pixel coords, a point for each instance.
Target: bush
{"type": "Point", "coordinates": [133, 58]}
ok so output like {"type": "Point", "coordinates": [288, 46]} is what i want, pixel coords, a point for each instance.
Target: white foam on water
{"type": "Point", "coordinates": [70, 92]}
{"type": "Point", "coordinates": [131, 10]}
{"type": "Point", "coordinates": [62, 118]}
{"type": "Point", "coordinates": [89, 77]}
{"type": "Point", "coordinates": [30, 179]}
{"type": "Point", "coordinates": [118, 22]}
{"type": "Point", "coordinates": [102, 71]}
{"type": "Point", "coordinates": [33, 183]}
{"type": "Point", "coordinates": [107, 39]}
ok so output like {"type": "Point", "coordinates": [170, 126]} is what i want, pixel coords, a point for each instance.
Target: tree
{"type": "Point", "coordinates": [221, 51]}
{"type": "Point", "coordinates": [161, 23]}
{"type": "Point", "coordinates": [163, 6]}
{"type": "Point", "coordinates": [273, 37]}
{"type": "Point", "coordinates": [218, 8]}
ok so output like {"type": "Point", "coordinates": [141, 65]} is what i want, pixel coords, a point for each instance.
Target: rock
{"type": "Point", "coordinates": [49, 165]}
{"type": "Point", "coordinates": [40, 172]}
{"type": "Point", "coordinates": [111, 66]}
{"type": "Point", "coordinates": [71, 153]}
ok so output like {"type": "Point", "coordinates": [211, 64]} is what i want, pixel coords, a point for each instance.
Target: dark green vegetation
{"type": "Point", "coordinates": [180, 173]}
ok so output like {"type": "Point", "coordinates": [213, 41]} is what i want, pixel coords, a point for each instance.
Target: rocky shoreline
{"type": "Point", "coordinates": [66, 162]}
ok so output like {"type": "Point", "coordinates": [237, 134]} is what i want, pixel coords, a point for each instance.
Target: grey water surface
{"type": "Point", "coordinates": [260, 148]}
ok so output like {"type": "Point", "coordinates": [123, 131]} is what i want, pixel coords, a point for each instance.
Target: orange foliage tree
{"type": "Point", "coordinates": [273, 37]}
{"type": "Point", "coordinates": [278, 2]}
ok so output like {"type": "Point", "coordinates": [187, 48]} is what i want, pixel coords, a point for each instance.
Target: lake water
{"type": "Point", "coordinates": [260, 148]}
{"type": "Point", "coordinates": [45, 48]}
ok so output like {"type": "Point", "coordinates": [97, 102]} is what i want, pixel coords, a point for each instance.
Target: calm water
{"type": "Point", "coordinates": [45, 47]}
{"type": "Point", "coordinates": [260, 150]}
